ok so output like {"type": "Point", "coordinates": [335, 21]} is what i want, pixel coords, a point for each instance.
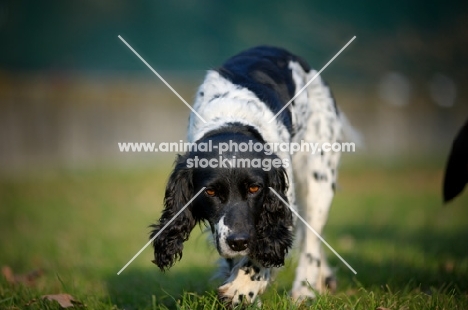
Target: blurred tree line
{"type": "Point", "coordinates": [415, 37]}
{"type": "Point", "coordinates": [70, 89]}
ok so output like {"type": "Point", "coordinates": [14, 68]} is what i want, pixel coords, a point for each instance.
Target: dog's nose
{"type": "Point", "coordinates": [238, 242]}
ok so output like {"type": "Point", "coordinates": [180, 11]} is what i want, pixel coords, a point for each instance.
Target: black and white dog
{"type": "Point", "coordinates": [252, 228]}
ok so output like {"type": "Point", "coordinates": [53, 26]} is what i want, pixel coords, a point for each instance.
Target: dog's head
{"type": "Point", "coordinates": [246, 217]}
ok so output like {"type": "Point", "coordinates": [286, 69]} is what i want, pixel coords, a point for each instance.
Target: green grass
{"type": "Point", "coordinates": [81, 227]}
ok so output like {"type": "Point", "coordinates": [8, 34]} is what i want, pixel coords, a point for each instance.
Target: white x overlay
{"type": "Point", "coordinates": [199, 116]}
{"type": "Point", "coordinates": [160, 231]}
{"type": "Point", "coordinates": [161, 78]}
{"type": "Point", "coordinates": [314, 231]}
{"type": "Point", "coordinates": [311, 80]}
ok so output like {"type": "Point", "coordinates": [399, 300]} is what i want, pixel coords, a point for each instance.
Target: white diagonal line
{"type": "Point", "coordinates": [311, 80]}
{"type": "Point", "coordinates": [161, 78]}
{"type": "Point", "coordinates": [160, 231]}
{"type": "Point", "coordinates": [316, 233]}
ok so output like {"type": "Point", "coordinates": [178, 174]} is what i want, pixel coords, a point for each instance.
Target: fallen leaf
{"type": "Point", "coordinates": [28, 279]}
{"type": "Point", "coordinates": [8, 274]}
{"type": "Point", "coordinates": [64, 300]}
{"type": "Point", "coordinates": [31, 302]}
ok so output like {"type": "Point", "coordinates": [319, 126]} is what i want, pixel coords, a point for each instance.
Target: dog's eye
{"type": "Point", "coordinates": [210, 192]}
{"type": "Point", "coordinates": [253, 189]}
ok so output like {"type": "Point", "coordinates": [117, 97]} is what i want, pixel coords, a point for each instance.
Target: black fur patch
{"type": "Point", "coordinates": [264, 71]}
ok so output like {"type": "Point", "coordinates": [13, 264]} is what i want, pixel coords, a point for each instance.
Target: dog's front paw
{"type": "Point", "coordinates": [302, 292]}
{"type": "Point", "coordinates": [245, 287]}
{"type": "Point", "coordinates": [232, 295]}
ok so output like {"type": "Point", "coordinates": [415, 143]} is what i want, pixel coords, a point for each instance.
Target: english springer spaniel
{"type": "Point", "coordinates": [251, 227]}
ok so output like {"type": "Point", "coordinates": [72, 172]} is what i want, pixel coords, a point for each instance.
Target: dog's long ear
{"type": "Point", "coordinates": [274, 228]}
{"type": "Point", "coordinates": [168, 245]}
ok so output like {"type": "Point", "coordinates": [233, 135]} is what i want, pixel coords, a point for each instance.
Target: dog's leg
{"type": "Point", "coordinates": [245, 282]}
{"type": "Point", "coordinates": [313, 272]}
{"type": "Point", "coordinates": [316, 189]}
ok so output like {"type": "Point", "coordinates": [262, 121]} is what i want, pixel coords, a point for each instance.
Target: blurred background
{"type": "Point", "coordinates": [70, 89]}
{"type": "Point", "coordinates": [73, 205]}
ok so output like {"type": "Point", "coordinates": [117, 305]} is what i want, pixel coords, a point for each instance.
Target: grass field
{"type": "Point", "coordinates": [81, 227]}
